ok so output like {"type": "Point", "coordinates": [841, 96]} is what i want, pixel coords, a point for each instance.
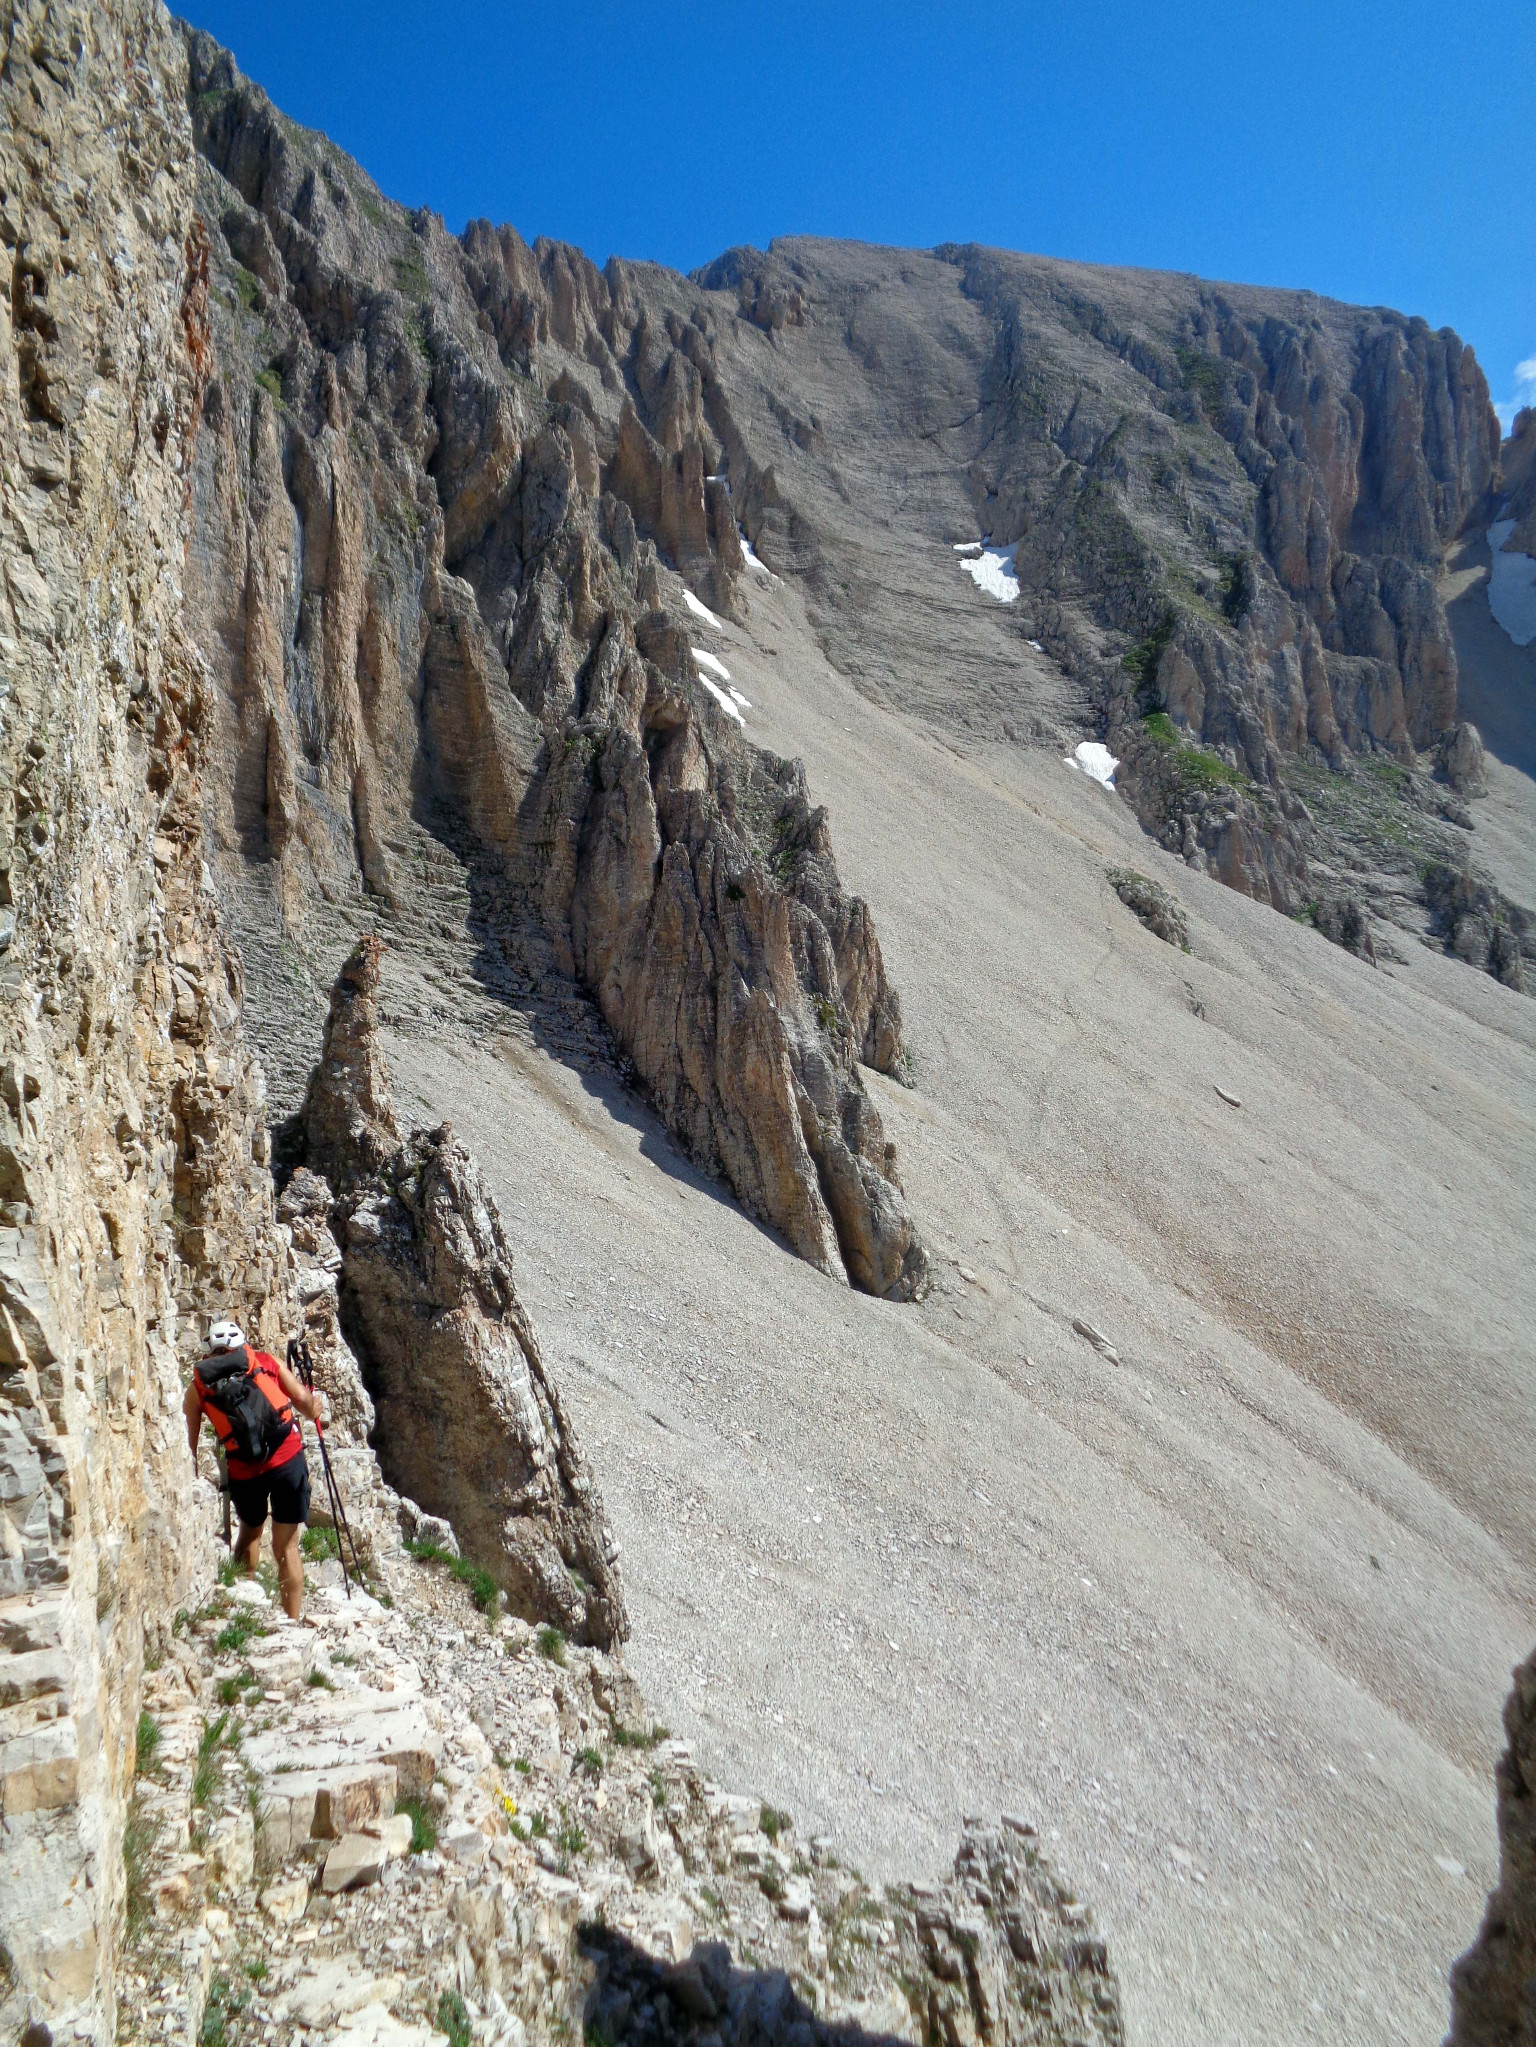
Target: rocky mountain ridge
{"type": "Point", "coordinates": [467, 1420]}
{"type": "Point", "coordinates": [390, 529]}
{"type": "Point", "coordinates": [1226, 511]}
{"type": "Point", "coordinates": [140, 1198]}
{"type": "Point", "coordinates": [340, 556]}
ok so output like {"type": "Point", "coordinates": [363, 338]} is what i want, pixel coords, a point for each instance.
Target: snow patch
{"type": "Point", "coordinates": [1511, 586]}
{"type": "Point", "coordinates": [1095, 760]}
{"type": "Point", "coordinates": [738, 698]}
{"type": "Point", "coordinates": [757, 566]}
{"type": "Point", "coordinates": [702, 611]}
{"type": "Point", "coordinates": [707, 660]}
{"type": "Point", "coordinates": [991, 569]}
{"type": "Point", "coordinates": [723, 700]}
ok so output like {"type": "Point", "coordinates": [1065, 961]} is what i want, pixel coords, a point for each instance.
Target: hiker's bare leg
{"type": "Point", "coordinates": [290, 1565]}
{"type": "Point", "coordinates": [248, 1548]}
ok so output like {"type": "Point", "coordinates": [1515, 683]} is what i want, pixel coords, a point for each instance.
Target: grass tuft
{"type": "Point", "coordinates": [551, 1644]}
{"type": "Point", "coordinates": [774, 1822]}
{"type": "Point", "coordinates": [225, 2003]}
{"type": "Point", "coordinates": [233, 1638]}
{"type": "Point", "coordinates": [624, 1738]}
{"type": "Point", "coordinates": [139, 1836]}
{"type": "Point", "coordinates": [1140, 662]}
{"type": "Point", "coordinates": [147, 1743]}
{"type": "Point", "coordinates": [1196, 766]}
{"type": "Point", "coordinates": [423, 1824]}
{"type": "Point", "coordinates": [216, 1734]}
{"type": "Point", "coordinates": [482, 1587]}
{"type": "Point", "coordinates": [453, 2019]}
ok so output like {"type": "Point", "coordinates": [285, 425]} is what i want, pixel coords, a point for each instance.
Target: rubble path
{"type": "Point", "coordinates": [401, 1820]}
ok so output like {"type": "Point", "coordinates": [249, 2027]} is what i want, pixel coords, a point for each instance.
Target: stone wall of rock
{"type": "Point", "coordinates": [133, 1143]}
{"type": "Point", "coordinates": [469, 1423]}
{"type": "Point", "coordinates": [1363, 441]}
{"type": "Point", "coordinates": [1493, 1986]}
{"type": "Point", "coordinates": [1517, 480]}
{"type": "Point", "coordinates": [427, 512]}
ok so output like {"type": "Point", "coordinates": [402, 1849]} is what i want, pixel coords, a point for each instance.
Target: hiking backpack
{"type": "Point", "coordinates": [250, 1413]}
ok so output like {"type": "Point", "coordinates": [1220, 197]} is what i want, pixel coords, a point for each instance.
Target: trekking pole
{"type": "Point", "coordinates": [299, 1358]}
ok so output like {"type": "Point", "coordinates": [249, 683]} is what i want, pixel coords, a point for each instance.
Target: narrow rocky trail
{"type": "Point", "coordinates": [406, 1818]}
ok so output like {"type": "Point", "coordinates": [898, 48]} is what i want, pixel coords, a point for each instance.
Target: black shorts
{"type": "Point", "coordinates": [287, 1488]}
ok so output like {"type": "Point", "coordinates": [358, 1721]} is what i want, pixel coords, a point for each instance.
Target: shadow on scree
{"type": "Point", "coordinates": [636, 2001]}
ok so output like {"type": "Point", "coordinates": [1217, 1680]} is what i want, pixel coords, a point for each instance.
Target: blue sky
{"type": "Point", "coordinates": [1379, 153]}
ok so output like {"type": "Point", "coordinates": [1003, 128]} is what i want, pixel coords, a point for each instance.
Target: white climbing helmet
{"type": "Point", "coordinates": [225, 1336]}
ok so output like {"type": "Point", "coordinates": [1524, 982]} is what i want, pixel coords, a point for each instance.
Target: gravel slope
{"type": "Point", "coordinates": [1234, 1616]}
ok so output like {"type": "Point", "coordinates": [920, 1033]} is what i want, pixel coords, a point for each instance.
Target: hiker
{"type": "Point", "coordinates": [249, 1398]}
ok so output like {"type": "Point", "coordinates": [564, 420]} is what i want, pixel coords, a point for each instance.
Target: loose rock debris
{"type": "Point", "coordinates": [1097, 1338]}
{"type": "Point", "coordinates": [391, 1823]}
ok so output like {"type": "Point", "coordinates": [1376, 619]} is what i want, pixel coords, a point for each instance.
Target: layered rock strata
{"type": "Point", "coordinates": [133, 1139]}
{"type": "Point", "coordinates": [468, 1421]}
{"type": "Point", "coordinates": [427, 577]}
{"type": "Point", "coordinates": [1493, 1986]}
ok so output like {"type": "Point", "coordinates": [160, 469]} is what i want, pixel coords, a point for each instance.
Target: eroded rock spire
{"type": "Point", "coordinates": [469, 1422]}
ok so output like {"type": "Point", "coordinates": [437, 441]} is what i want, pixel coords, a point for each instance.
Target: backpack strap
{"type": "Point", "coordinates": [271, 1386]}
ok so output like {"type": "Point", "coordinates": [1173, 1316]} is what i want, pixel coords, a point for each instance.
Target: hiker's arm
{"type": "Point", "coordinates": [192, 1408]}
{"type": "Point", "coordinates": [310, 1404]}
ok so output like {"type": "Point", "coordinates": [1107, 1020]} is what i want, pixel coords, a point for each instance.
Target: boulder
{"type": "Point", "coordinates": [1461, 759]}
{"type": "Point", "coordinates": [332, 1991]}
{"type": "Point", "coordinates": [285, 1901]}
{"type": "Point", "coordinates": [356, 1860]}
{"type": "Point", "coordinates": [1154, 906]}
{"type": "Point", "coordinates": [230, 1853]}
{"type": "Point", "coordinates": [376, 2026]}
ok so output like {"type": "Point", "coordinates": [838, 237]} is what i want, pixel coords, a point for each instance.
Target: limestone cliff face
{"type": "Point", "coordinates": [1493, 1986]}
{"type": "Point", "coordinates": [136, 1199]}
{"type": "Point", "coordinates": [1362, 440]}
{"type": "Point", "coordinates": [1516, 487]}
{"type": "Point", "coordinates": [427, 514]}
{"type": "Point", "coordinates": [1228, 507]}
{"type": "Point", "coordinates": [133, 1143]}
